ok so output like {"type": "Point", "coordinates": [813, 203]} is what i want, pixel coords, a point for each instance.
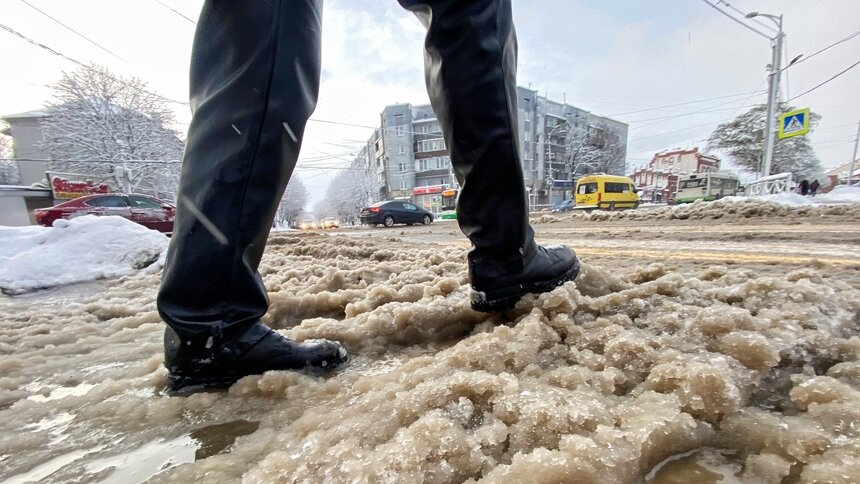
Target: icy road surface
{"type": "Point", "coordinates": [693, 349]}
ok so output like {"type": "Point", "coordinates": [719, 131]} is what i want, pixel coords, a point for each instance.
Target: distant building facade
{"type": "Point", "coordinates": [839, 175]}
{"type": "Point", "coordinates": [26, 132]}
{"type": "Point", "coordinates": [408, 157]}
{"type": "Point", "coordinates": [18, 202]}
{"type": "Point", "coordinates": [658, 182]}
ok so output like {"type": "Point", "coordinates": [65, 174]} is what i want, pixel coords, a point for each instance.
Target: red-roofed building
{"type": "Point", "coordinates": [658, 182]}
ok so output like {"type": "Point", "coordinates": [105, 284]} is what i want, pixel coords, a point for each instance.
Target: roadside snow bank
{"type": "Point", "coordinates": [839, 203]}
{"type": "Point", "coordinates": [840, 194]}
{"type": "Point", "coordinates": [81, 249]}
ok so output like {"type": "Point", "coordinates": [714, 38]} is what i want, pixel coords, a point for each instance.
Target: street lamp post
{"type": "Point", "coordinates": [773, 89]}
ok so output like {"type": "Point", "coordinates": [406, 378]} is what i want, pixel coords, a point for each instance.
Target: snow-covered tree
{"type": "Point", "coordinates": [99, 120]}
{"type": "Point", "coordinates": [8, 169]}
{"type": "Point", "coordinates": [742, 139]}
{"type": "Point", "coordinates": [611, 152]}
{"type": "Point", "coordinates": [349, 191]}
{"type": "Point", "coordinates": [293, 202]}
{"type": "Point", "coordinates": [585, 150]}
{"type": "Point", "coordinates": [579, 155]}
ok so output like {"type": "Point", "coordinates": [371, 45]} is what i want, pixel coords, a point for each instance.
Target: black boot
{"type": "Point", "coordinates": [470, 69]}
{"type": "Point", "coordinates": [218, 362]}
{"type": "Point", "coordinates": [498, 283]}
{"type": "Point", "coordinates": [255, 70]}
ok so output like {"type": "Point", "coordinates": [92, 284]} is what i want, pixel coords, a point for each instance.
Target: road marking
{"type": "Point", "coordinates": [716, 256]}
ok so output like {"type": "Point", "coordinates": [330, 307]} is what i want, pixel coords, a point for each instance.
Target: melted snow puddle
{"type": "Point", "coordinates": [62, 392]}
{"type": "Point", "coordinates": [144, 462]}
{"type": "Point", "coordinates": [45, 470]}
{"type": "Point", "coordinates": [702, 466]}
{"type": "Point", "coordinates": [64, 295]}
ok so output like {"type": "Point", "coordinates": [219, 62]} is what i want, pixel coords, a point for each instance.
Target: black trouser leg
{"type": "Point", "coordinates": [254, 82]}
{"type": "Point", "coordinates": [470, 67]}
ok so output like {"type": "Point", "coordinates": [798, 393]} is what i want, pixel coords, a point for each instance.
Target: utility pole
{"type": "Point", "coordinates": [773, 100]}
{"type": "Point", "coordinates": [854, 158]}
{"type": "Point", "coordinates": [773, 88]}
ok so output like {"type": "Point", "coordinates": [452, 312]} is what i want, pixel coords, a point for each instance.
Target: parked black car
{"type": "Point", "coordinates": [565, 206]}
{"type": "Point", "coordinates": [392, 212]}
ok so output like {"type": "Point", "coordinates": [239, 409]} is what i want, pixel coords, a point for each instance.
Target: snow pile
{"type": "Point", "coordinates": [786, 205]}
{"type": "Point", "coordinates": [789, 199]}
{"type": "Point", "coordinates": [840, 194]}
{"type": "Point", "coordinates": [600, 380]}
{"type": "Point", "coordinates": [81, 249]}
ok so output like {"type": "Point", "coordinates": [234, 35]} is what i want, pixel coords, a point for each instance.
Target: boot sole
{"type": "Point", "coordinates": [504, 300]}
{"type": "Point", "coordinates": [178, 385]}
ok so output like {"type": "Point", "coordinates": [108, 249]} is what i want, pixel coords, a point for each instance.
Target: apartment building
{"type": "Point", "coordinates": [408, 158]}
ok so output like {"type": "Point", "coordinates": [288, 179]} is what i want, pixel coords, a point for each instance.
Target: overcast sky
{"type": "Point", "coordinates": [609, 57]}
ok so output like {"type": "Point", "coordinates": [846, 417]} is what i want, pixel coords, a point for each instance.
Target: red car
{"type": "Point", "coordinates": [147, 211]}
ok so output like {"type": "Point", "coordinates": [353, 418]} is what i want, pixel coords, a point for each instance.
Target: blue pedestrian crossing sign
{"type": "Point", "coordinates": [794, 123]}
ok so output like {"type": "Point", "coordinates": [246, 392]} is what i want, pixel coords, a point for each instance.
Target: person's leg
{"type": "Point", "coordinates": [254, 80]}
{"type": "Point", "coordinates": [470, 67]}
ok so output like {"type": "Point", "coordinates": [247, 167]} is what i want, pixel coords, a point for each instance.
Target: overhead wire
{"type": "Point", "coordinates": [810, 56]}
{"type": "Point", "coordinates": [744, 25]}
{"type": "Point", "coordinates": [826, 81]}
{"type": "Point", "coordinates": [175, 11]}
{"type": "Point", "coordinates": [657, 108]}
{"type": "Point", "coordinates": [91, 41]}
{"type": "Point", "coordinates": [40, 45]}
{"type": "Point", "coordinates": [744, 14]}
{"type": "Point", "coordinates": [72, 60]}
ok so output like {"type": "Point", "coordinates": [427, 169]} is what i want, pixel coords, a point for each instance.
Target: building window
{"type": "Point", "coordinates": [437, 144]}
{"type": "Point", "coordinates": [404, 185]}
{"type": "Point", "coordinates": [398, 119]}
{"type": "Point", "coordinates": [422, 165]}
{"type": "Point", "coordinates": [398, 130]}
{"type": "Point", "coordinates": [401, 167]}
{"type": "Point", "coordinates": [401, 149]}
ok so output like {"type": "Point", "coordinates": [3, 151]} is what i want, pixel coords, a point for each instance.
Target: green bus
{"type": "Point", "coordinates": [705, 186]}
{"type": "Point", "coordinates": [449, 204]}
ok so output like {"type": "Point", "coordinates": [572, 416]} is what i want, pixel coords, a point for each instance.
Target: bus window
{"type": "Point", "coordinates": [449, 199]}
{"type": "Point", "coordinates": [588, 188]}
{"type": "Point", "coordinates": [695, 183]}
{"type": "Point", "coordinates": [617, 187]}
